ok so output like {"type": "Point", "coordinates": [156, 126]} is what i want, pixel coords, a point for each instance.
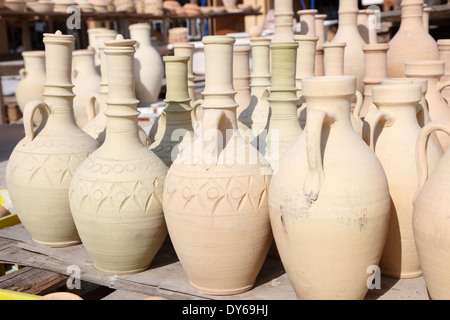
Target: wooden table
{"type": "Point", "coordinates": [166, 276]}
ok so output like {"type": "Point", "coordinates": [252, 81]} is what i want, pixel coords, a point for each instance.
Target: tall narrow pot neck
{"type": "Point", "coordinates": [177, 96]}
{"type": "Point", "coordinates": [84, 62]}
{"type": "Point", "coordinates": [34, 63]}
{"type": "Point", "coordinates": [336, 106]}
{"type": "Point", "coordinates": [141, 35]}
{"type": "Point", "coordinates": [412, 14]}
{"type": "Point", "coordinates": [284, 59]}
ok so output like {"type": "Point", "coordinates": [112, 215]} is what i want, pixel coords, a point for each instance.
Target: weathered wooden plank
{"type": "Point", "coordinates": [33, 281]}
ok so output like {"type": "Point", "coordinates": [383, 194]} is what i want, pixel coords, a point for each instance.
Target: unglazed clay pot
{"type": "Point", "coordinates": [187, 49]}
{"type": "Point", "coordinates": [32, 79]}
{"type": "Point", "coordinates": [86, 83]}
{"type": "Point", "coordinates": [320, 27]}
{"type": "Point", "coordinates": [307, 21]}
{"type": "Point", "coordinates": [97, 37]}
{"type": "Point", "coordinates": [348, 32]}
{"type": "Point", "coordinates": [411, 42]}
{"type": "Point", "coordinates": [96, 125]}
{"type": "Point", "coordinates": [329, 201]}
{"type": "Point", "coordinates": [215, 194]}
{"type": "Point", "coordinates": [284, 16]}
{"type": "Point", "coordinates": [41, 166]}
{"type": "Point", "coordinates": [375, 70]}
{"type": "Point", "coordinates": [148, 67]}
{"type": "Point", "coordinates": [438, 108]}
{"type": "Point", "coordinates": [256, 114]}
{"type": "Point", "coordinates": [393, 124]}
{"type": "Point", "coordinates": [116, 193]}
{"type": "Point", "coordinates": [283, 125]}
{"type": "Point", "coordinates": [444, 55]}
{"type": "Point", "coordinates": [430, 216]}
{"type": "Point", "coordinates": [177, 118]}
{"type": "Point", "coordinates": [241, 76]}
{"type": "Point", "coordinates": [423, 115]}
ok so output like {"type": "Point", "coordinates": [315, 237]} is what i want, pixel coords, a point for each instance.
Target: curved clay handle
{"type": "Point", "coordinates": [441, 85]}
{"type": "Point", "coordinates": [421, 150]}
{"type": "Point", "coordinates": [315, 175]}
{"type": "Point", "coordinates": [23, 73]}
{"type": "Point", "coordinates": [300, 109]}
{"type": "Point", "coordinates": [28, 113]}
{"type": "Point", "coordinates": [160, 129]}
{"type": "Point", "coordinates": [358, 105]}
{"type": "Point", "coordinates": [214, 134]}
{"type": "Point", "coordinates": [372, 118]}
{"type": "Point", "coordinates": [90, 107]}
{"type": "Point", "coordinates": [194, 117]}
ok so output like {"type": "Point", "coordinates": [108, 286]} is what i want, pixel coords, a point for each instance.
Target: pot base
{"type": "Point", "coordinates": [220, 292]}
{"type": "Point", "coordinates": [58, 244]}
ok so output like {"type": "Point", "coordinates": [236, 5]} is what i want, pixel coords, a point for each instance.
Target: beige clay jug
{"type": "Point", "coordinates": [329, 201]}
{"type": "Point", "coordinates": [256, 114]}
{"type": "Point", "coordinates": [178, 117]}
{"type": "Point", "coordinates": [42, 165]}
{"type": "Point", "coordinates": [444, 55]}
{"type": "Point", "coordinates": [348, 33]}
{"type": "Point", "coordinates": [307, 20]}
{"type": "Point", "coordinates": [96, 125]}
{"type": "Point", "coordinates": [438, 108]}
{"type": "Point", "coordinates": [116, 193]}
{"type": "Point", "coordinates": [215, 194]}
{"type": "Point", "coordinates": [430, 216]}
{"type": "Point", "coordinates": [149, 67]}
{"type": "Point", "coordinates": [411, 42]}
{"type": "Point", "coordinates": [284, 17]}
{"type": "Point", "coordinates": [86, 83]}
{"type": "Point", "coordinates": [241, 76]}
{"type": "Point", "coordinates": [187, 49]}
{"type": "Point", "coordinates": [99, 36]}
{"type": "Point", "coordinates": [394, 124]}
{"type": "Point", "coordinates": [32, 79]}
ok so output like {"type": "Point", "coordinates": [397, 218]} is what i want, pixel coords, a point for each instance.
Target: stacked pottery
{"type": "Point", "coordinates": [86, 82]}
{"type": "Point", "coordinates": [32, 79]}
{"type": "Point", "coordinates": [438, 108]}
{"type": "Point", "coordinates": [329, 201]}
{"type": "Point", "coordinates": [215, 194]}
{"type": "Point", "coordinates": [394, 124]}
{"type": "Point", "coordinates": [444, 55]}
{"type": "Point", "coordinates": [177, 118]}
{"type": "Point", "coordinates": [256, 114]}
{"type": "Point", "coordinates": [430, 216]}
{"type": "Point", "coordinates": [148, 67]}
{"type": "Point", "coordinates": [42, 165]}
{"type": "Point", "coordinates": [411, 35]}
{"type": "Point", "coordinates": [348, 32]}
{"type": "Point", "coordinates": [116, 193]}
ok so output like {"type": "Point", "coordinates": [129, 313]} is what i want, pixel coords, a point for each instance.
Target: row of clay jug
{"type": "Point", "coordinates": [149, 73]}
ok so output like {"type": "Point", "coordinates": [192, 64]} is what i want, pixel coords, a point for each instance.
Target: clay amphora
{"type": "Point", "coordinates": [423, 115]}
{"type": "Point", "coordinates": [411, 42]}
{"type": "Point", "coordinates": [149, 67]}
{"type": "Point", "coordinates": [392, 125]}
{"type": "Point", "coordinates": [307, 21]}
{"type": "Point", "coordinates": [32, 79]}
{"type": "Point", "coordinates": [375, 70]}
{"type": "Point", "coordinates": [430, 216]}
{"type": "Point", "coordinates": [334, 67]}
{"type": "Point", "coordinates": [187, 49]}
{"type": "Point", "coordinates": [283, 125]}
{"type": "Point", "coordinates": [42, 164]}
{"type": "Point", "coordinates": [241, 76]}
{"type": "Point", "coordinates": [256, 114]}
{"type": "Point", "coordinates": [215, 194]}
{"type": "Point", "coordinates": [96, 125]}
{"type": "Point", "coordinates": [284, 15]}
{"type": "Point", "coordinates": [116, 193]}
{"type": "Point", "coordinates": [86, 82]}
{"type": "Point", "coordinates": [329, 201]}
{"type": "Point", "coordinates": [438, 108]}
{"type": "Point", "coordinates": [444, 55]}
{"type": "Point", "coordinates": [348, 32]}
{"type": "Point", "coordinates": [177, 118]}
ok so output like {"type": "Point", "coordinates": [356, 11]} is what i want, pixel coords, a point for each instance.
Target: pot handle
{"type": "Point", "coordinates": [23, 73]}
{"type": "Point", "coordinates": [90, 107]}
{"type": "Point", "coordinates": [421, 149]}
{"type": "Point", "coordinates": [442, 85]}
{"type": "Point", "coordinates": [215, 125]}
{"type": "Point", "coordinates": [358, 105]}
{"type": "Point", "coordinates": [28, 113]}
{"type": "Point", "coordinates": [194, 117]}
{"type": "Point", "coordinates": [372, 118]}
{"type": "Point", "coordinates": [315, 175]}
